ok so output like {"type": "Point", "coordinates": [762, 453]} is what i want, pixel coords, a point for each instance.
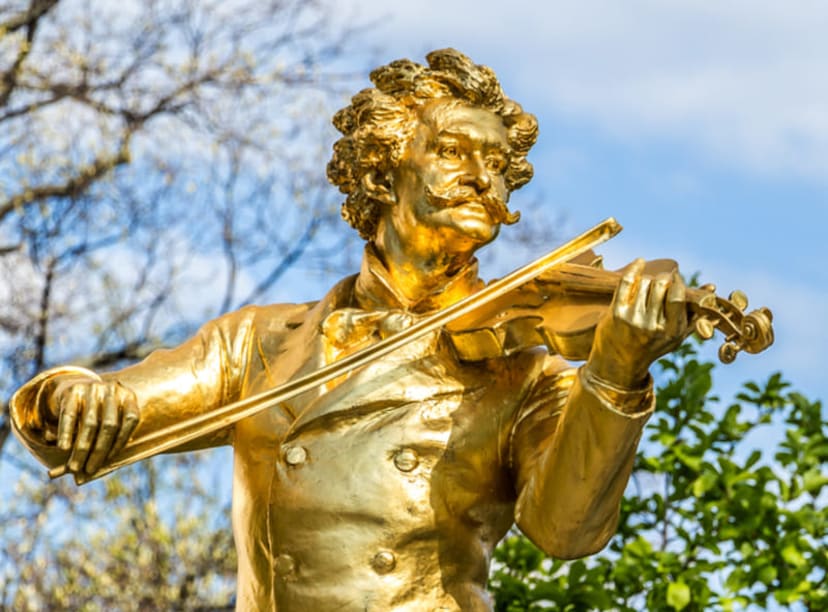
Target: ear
{"type": "Point", "coordinates": [380, 187]}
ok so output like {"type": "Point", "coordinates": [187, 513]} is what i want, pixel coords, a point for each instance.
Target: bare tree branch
{"type": "Point", "coordinates": [36, 10]}
{"type": "Point", "coordinates": [29, 20]}
{"type": "Point", "coordinates": [5, 425]}
{"type": "Point", "coordinates": [290, 258]}
{"type": "Point", "coordinates": [121, 131]}
{"type": "Point", "coordinates": [74, 186]}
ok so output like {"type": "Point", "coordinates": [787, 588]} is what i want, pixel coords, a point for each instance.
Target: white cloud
{"type": "Point", "coordinates": [743, 82]}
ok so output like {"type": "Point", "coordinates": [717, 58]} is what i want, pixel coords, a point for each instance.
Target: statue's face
{"type": "Point", "coordinates": [449, 188]}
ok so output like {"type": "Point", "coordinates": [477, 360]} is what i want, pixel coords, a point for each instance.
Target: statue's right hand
{"type": "Point", "coordinates": [95, 419]}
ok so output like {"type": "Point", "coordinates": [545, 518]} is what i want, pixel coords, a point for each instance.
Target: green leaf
{"type": "Point", "coordinates": [792, 556]}
{"type": "Point", "coordinates": [687, 458]}
{"type": "Point", "coordinates": [767, 574]}
{"type": "Point", "coordinates": [704, 483]}
{"type": "Point", "coordinates": [754, 457]}
{"type": "Point", "coordinates": [814, 480]}
{"type": "Point", "coordinates": [639, 548]}
{"type": "Point", "coordinates": [678, 595]}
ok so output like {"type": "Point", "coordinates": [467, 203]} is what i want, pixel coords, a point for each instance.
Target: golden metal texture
{"type": "Point", "coordinates": [380, 451]}
{"type": "Point", "coordinates": [181, 432]}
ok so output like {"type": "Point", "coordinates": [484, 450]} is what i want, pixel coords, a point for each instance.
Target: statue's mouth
{"type": "Point", "coordinates": [495, 206]}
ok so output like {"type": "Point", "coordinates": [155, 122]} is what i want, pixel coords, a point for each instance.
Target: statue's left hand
{"type": "Point", "coordinates": [647, 319]}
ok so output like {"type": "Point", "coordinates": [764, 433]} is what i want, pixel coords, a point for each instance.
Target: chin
{"type": "Point", "coordinates": [478, 233]}
{"type": "Point", "coordinates": [464, 231]}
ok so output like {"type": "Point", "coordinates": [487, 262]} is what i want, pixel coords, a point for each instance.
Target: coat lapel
{"type": "Point", "coordinates": [303, 350]}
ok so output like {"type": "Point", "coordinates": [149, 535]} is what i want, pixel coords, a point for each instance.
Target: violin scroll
{"type": "Point", "coordinates": [751, 332]}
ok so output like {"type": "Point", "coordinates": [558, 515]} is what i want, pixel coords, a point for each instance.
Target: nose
{"type": "Point", "coordinates": [476, 175]}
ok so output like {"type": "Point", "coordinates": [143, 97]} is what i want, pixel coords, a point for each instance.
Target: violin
{"type": "Point", "coordinates": [555, 301]}
{"type": "Point", "coordinates": [561, 307]}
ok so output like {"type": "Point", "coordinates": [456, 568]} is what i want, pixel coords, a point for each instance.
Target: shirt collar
{"type": "Point", "coordinates": [374, 288]}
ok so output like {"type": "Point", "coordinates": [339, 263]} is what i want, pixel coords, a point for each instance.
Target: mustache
{"type": "Point", "coordinates": [494, 205]}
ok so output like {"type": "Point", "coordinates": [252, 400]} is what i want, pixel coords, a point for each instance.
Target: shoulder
{"type": "Point", "coordinates": [548, 381]}
{"type": "Point", "coordinates": [271, 318]}
{"type": "Point", "coordinates": [536, 366]}
{"type": "Point", "coordinates": [277, 320]}
{"type": "Point", "coordinates": [554, 380]}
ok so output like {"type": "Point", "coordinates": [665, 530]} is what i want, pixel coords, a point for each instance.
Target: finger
{"type": "Point", "coordinates": [625, 294]}
{"type": "Point", "coordinates": [638, 312]}
{"type": "Point", "coordinates": [656, 315]}
{"type": "Point", "coordinates": [71, 404]}
{"type": "Point", "coordinates": [129, 420]}
{"type": "Point", "coordinates": [675, 307]}
{"type": "Point", "coordinates": [110, 414]}
{"type": "Point", "coordinates": [87, 429]}
{"type": "Point", "coordinates": [50, 404]}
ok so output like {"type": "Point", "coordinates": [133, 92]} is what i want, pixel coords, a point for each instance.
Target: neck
{"type": "Point", "coordinates": [418, 270]}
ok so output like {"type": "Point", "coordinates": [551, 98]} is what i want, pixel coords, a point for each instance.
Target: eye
{"type": "Point", "coordinates": [496, 163]}
{"type": "Point", "coordinates": [450, 151]}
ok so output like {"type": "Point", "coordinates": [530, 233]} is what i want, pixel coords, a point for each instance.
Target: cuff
{"type": "Point", "coordinates": [24, 405]}
{"type": "Point", "coordinates": [628, 402]}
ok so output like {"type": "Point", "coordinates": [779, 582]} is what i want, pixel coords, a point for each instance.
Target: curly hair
{"type": "Point", "coordinates": [379, 122]}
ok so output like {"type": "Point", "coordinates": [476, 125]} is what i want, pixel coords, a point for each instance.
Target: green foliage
{"type": "Point", "coordinates": [715, 517]}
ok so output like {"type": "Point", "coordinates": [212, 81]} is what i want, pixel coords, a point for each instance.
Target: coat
{"type": "Point", "coordinates": [389, 488]}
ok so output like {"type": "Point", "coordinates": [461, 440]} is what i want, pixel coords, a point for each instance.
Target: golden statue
{"type": "Point", "coordinates": [387, 436]}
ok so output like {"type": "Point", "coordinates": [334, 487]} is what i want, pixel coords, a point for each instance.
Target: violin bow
{"type": "Point", "coordinates": [168, 438]}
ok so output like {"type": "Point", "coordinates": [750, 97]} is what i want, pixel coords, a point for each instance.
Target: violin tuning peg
{"type": "Point", "coordinates": [704, 328]}
{"type": "Point", "coordinates": [708, 301]}
{"type": "Point", "coordinates": [739, 299]}
{"type": "Point", "coordinates": [727, 352]}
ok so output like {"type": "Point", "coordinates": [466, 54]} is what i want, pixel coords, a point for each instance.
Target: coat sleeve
{"type": "Point", "coordinates": [572, 449]}
{"type": "Point", "coordinates": [171, 385]}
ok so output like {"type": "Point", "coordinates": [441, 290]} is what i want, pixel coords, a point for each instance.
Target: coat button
{"type": "Point", "coordinates": [384, 561]}
{"type": "Point", "coordinates": [296, 455]}
{"type": "Point", "coordinates": [285, 565]}
{"type": "Point", "coordinates": [406, 460]}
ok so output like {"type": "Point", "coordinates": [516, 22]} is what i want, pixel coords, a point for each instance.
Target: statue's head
{"type": "Point", "coordinates": [381, 123]}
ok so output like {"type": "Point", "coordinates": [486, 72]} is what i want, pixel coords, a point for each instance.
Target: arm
{"type": "Point", "coordinates": [572, 452]}
{"type": "Point", "coordinates": [574, 442]}
{"type": "Point", "coordinates": [75, 417]}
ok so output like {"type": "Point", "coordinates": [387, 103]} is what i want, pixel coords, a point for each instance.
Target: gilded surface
{"type": "Point", "coordinates": [388, 488]}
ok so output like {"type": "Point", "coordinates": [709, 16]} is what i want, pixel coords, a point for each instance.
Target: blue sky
{"type": "Point", "coordinates": [703, 127]}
